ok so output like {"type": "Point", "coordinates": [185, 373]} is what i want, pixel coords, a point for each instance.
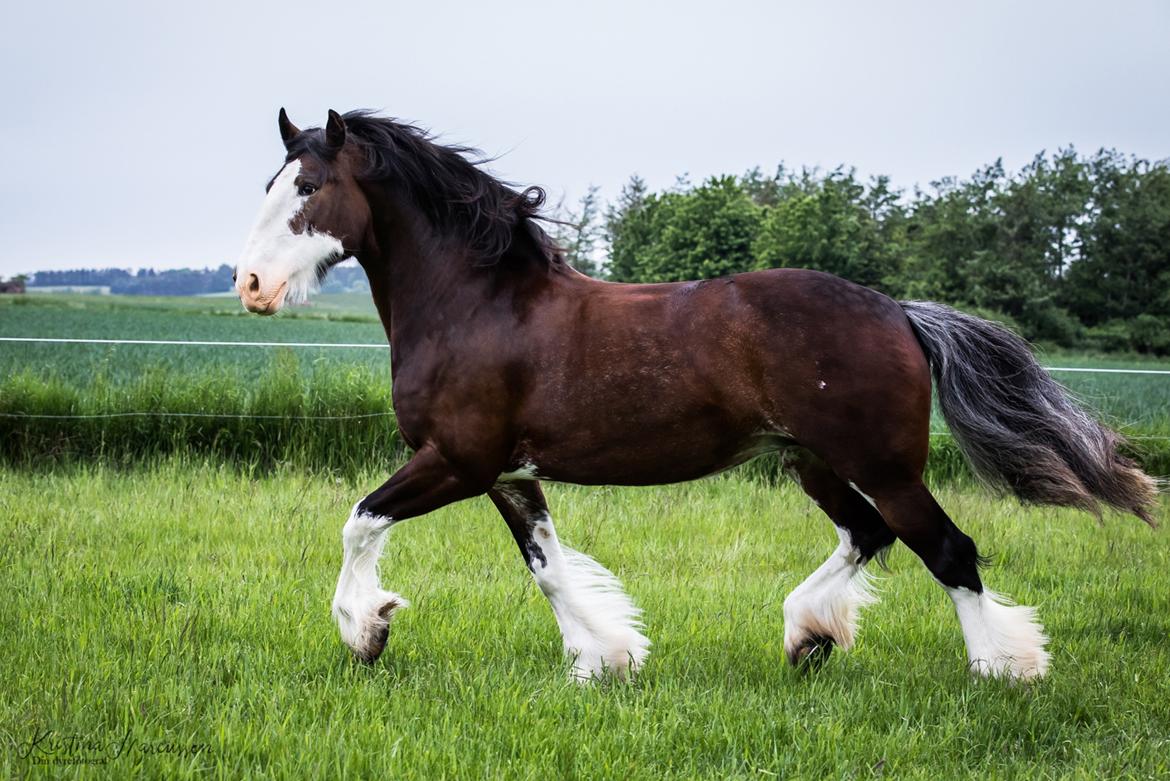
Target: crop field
{"type": "Point", "coordinates": [168, 580]}
{"type": "Point", "coordinates": [332, 318]}
{"type": "Point", "coordinates": [182, 613]}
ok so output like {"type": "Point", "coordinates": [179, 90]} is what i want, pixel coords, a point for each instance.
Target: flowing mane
{"type": "Point", "coordinates": [446, 182]}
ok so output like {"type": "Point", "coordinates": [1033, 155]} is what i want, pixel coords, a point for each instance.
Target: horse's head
{"type": "Point", "coordinates": [313, 216]}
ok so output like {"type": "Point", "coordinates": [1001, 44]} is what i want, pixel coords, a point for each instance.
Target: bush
{"type": "Point", "coordinates": [1049, 323]}
{"type": "Point", "coordinates": [1110, 337]}
{"type": "Point", "coordinates": [1150, 334]}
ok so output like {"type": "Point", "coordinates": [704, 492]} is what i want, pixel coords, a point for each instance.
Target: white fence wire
{"type": "Point", "coordinates": [174, 342]}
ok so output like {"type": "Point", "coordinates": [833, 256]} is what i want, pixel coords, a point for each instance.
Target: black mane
{"type": "Point", "coordinates": [445, 181]}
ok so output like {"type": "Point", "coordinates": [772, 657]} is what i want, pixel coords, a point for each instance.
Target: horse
{"type": "Point", "coordinates": [509, 368]}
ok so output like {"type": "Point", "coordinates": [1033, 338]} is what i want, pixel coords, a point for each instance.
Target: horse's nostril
{"type": "Point", "coordinates": [233, 277]}
{"type": "Point", "coordinates": [253, 283]}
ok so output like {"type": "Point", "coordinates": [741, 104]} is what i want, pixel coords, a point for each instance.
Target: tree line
{"type": "Point", "coordinates": [146, 281]}
{"type": "Point", "coordinates": [179, 282]}
{"type": "Point", "coordinates": [1070, 250]}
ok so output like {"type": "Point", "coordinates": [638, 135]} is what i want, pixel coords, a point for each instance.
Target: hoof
{"type": "Point", "coordinates": [376, 640]}
{"type": "Point", "coordinates": [366, 636]}
{"type": "Point", "coordinates": [812, 653]}
{"type": "Point", "coordinates": [1003, 640]}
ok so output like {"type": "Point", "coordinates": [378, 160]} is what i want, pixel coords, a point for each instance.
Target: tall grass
{"type": "Point", "coordinates": [321, 417]}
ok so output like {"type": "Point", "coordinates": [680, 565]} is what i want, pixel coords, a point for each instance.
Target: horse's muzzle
{"type": "Point", "coordinates": [256, 298]}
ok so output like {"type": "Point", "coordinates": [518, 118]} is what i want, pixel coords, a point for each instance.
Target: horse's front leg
{"type": "Point", "coordinates": [599, 623]}
{"type": "Point", "coordinates": [361, 606]}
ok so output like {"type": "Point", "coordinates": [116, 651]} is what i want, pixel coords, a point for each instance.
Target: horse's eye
{"type": "Point", "coordinates": [305, 190]}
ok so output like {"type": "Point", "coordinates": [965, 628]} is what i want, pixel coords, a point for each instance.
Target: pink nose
{"type": "Point", "coordinates": [250, 294]}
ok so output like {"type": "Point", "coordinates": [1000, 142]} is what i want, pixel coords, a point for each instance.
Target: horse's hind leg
{"type": "Point", "coordinates": [598, 621]}
{"type": "Point", "coordinates": [1002, 640]}
{"type": "Point", "coordinates": [822, 611]}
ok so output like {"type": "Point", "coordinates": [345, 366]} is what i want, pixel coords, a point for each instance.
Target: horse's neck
{"type": "Point", "coordinates": [424, 288]}
{"type": "Point", "coordinates": [408, 262]}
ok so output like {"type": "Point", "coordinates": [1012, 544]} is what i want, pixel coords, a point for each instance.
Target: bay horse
{"type": "Point", "coordinates": [509, 367]}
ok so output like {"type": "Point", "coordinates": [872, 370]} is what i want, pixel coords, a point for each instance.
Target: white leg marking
{"type": "Point", "coordinates": [1003, 640]}
{"type": "Point", "coordinates": [360, 605]}
{"type": "Point", "coordinates": [599, 623]}
{"type": "Point", "coordinates": [827, 603]}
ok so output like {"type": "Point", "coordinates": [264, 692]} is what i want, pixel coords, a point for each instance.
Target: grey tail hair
{"type": "Point", "coordinates": [1019, 428]}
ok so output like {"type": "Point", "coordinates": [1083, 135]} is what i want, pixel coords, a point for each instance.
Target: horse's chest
{"type": "Point", "coordinates": [446, 407]}
{"type": "Point", "coordinates": [415, 418]}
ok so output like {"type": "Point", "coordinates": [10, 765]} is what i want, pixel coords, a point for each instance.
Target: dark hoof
{"type": "Point", "coordinates": [379, 634]}
{"type": "Point", "coordinates": [812, 653]}
{"type": "Point", "coordinates": [375, 646]}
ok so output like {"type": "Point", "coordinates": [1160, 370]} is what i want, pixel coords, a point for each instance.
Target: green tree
{"type": "Point", "coordinates": [578, 232]}
{"type": "Point", "coordinates": [834, 223]}
{"type": "Point", "coordinates": [1124, 269]}
{"type": "Point", "coordinates": [628, 230]}
{"type": "Point", "coordinates": [1071, 249]}
{"type": "Point", "coordinates": [1002, 243]}
{"type": "Point", "coordinates": [704, 232]}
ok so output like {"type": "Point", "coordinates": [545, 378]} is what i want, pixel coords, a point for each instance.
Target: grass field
{"type": "Point", "coordinates": [187, 607]}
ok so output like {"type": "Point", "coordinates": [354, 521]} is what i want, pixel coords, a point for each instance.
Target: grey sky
{"type": "Point", "coordinates": [143, 134]}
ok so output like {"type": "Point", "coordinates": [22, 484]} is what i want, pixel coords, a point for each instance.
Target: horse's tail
{"type": "Point", "coordinates": [1018, 427]}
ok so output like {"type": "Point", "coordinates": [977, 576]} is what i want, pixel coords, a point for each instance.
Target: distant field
{"type": "Point", "coordinates": [98, 379]}
{"type": "Point", "coordinates": [189, 606]}
{"type": "Point", "coordinates": [332, 318]}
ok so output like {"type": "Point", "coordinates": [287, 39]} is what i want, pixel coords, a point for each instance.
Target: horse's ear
{"type": "Point", "coordinates": [334, 132]}
{"type": "Point", "coordinates": [288, 131]}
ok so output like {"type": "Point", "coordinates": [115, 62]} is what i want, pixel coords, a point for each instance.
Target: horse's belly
{"type": "Point", "coordinates": [653, 458]}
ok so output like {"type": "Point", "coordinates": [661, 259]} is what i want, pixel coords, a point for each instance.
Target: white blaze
{"type": "Point", "coordinates": [278, 256]}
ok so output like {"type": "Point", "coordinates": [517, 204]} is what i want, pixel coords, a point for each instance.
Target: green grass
{"type": "Point", "coordinates": [189, 605]}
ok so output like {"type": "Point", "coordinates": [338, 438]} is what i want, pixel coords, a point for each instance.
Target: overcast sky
{"type": "Point", "coordinates": [143, 134]}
